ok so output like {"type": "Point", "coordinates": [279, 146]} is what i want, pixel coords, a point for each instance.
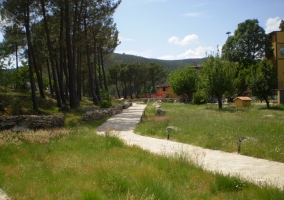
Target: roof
{"type": "Point", "coordinates": [243, 98]}
{"type": "Point", "coordinates": [165, 85]}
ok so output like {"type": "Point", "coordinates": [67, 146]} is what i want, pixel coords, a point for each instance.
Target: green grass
{"type": "Point", "coordinates": [209, 127]}
{"type": "Point", "coordinates": [77, 163]}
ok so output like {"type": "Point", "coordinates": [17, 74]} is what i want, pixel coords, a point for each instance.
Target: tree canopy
{"type": "Point", "coordinates": [248, 43]}
{"type": "Point", "coordinates": [263, 80]}
{"type": "Point", "coordinates": [281, 25]}
{"type": "Point", "coordinates": [183, 81]}
{"type": "Point", "coordinates": [69, 40]}
{"type": "Point", "coordinates": [217, 77]}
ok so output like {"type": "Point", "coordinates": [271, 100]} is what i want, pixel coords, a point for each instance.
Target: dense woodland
{"type": "Point", "coordinates": [62, 40]}
{"type": "Point", "coordinates": [68, 47]}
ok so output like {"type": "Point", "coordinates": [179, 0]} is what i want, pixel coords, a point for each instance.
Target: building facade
{"type": "Point", "coordinates": [277, 38]}
{"type": "Point", "coordinates": [166, 91]}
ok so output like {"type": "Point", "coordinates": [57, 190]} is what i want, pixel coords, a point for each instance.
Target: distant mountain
{"type": "Point", "coordinates": [169, 65]}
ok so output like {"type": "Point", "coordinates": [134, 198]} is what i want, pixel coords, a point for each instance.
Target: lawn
{"type": "Point", "coordinates": [76, 163]}
{"type": "Point", "coordinates": [261, 129]}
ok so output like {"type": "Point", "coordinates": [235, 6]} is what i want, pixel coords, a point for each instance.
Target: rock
{"type": "Point", "coordinates": [20, 129]}
{"type": "Point", "coordinates": [126, 105]}
{"type": "Point", "coordinates": [22, 122]}
{"type": "Point", "coordinates": [7, 125]}
{"type": "Point", "coordinates": [160, 112]}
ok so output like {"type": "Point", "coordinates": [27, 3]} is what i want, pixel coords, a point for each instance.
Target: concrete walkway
{"type": "Point", "coordinates": [255, 170]}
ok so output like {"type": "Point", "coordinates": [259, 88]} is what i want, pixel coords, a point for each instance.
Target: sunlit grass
{"type": "Point", "coordinates": [206, 126]}
{"type": "Point", "coordinates": [75, 163]}
{"type": "Point", "coordinates": [79, 164]}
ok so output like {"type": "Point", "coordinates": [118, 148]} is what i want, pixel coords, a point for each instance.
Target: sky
{"type": "Point", "coordinates": [181, 29]}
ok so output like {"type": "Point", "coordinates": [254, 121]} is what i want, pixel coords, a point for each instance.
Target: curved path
{"type": "Point", "coordinates": [255, 170]}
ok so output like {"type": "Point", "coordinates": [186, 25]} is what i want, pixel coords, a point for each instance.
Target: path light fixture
{"type": "Point", "coordinates": [168, 130]}
{"type": "Point", "coordinates": [228, 33]}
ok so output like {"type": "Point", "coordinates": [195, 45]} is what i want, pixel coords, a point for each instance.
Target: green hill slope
{"type": "Point", "coordinates": [169, 65]}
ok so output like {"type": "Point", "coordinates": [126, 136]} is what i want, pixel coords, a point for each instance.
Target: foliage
{"type": "Point", "coordinates": [105, 101]}
{"type": "Point", "coordinates": [155, 73]}
{"type": "Point", "coordinates": [6, 78]}
{"type": "Point", "coordinates": [263, 80]}
{"type": "Point", "coordinates": [249, 42]}
{"type": "Point", "coordinates": [227, 183]}
{"type": "Point", "coordinates": [168, 65]}
{"type": "Point", "coordinates": [241, 77]}
{"type": "Point", "coordinates": [183, 81]}
{"type": "Point", "coordinates": [22, 76]}
{"type": "Point", "coordinates": [19, 107]}
{"type": "Point", "coordinates": [200, 97]}
{"type": "Point", "coordinates": [281, 25]}
{"type": "Point", "coordinates": [217, 78]}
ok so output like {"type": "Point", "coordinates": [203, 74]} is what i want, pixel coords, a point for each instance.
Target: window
{"type": "Point", "coordinates": [164, 89]}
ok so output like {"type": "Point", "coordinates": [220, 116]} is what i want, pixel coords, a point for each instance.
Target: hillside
{"type": "Point", "coordinates": [169, 65]}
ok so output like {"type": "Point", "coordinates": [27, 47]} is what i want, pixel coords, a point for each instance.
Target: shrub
{"type": "Point", "coordinates": [199, 97]}
{"type": "Point", "coordinates": [105, 99]}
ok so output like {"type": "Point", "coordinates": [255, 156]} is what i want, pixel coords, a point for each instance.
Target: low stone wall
{"type": "Point", "coordinates": [98, 114]}
{"type": "Point", "coordinates": [27, 122]}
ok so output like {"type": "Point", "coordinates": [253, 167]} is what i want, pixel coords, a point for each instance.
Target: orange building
{"type": "Point", "coordinates": [277, 38]}
{"type": "Point", "coordinates": [166, 91]}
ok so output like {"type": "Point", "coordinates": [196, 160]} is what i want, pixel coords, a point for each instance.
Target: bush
{"type": "Point", "coordinates": [105, 100]}
{"type": "Point", "coordinates": [46, 103]}
{"type": "Point", "coordinates": [20, 107]}
{"type": "Point", "coordinates": [227, 183]}
{"type": "Point", "coordinates": [199, 97]}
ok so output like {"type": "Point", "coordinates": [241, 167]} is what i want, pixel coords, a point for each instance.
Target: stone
{"type": "Point", "coordinates": [160, 112]}
{"type": "Point", "coordinates": [20, 129]}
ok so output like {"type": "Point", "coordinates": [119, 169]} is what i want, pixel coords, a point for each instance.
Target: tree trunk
{"type": "Point", "coordinates": [220, 102]}
{"type": "Point", "coordinates": [91, 82]}
{"type": "Point", "coordinates": [71, 67]}
{"type": "Point", "coordinates": [33, 89]}
{"type": "Point", "coordinates": [61, 62]}
{"type": "Point", "coordinates": [17, 67]}
{"type": "Point", "coordinates": [267, 102]}
{"type": "Point", "coordinates": [38, 75]}
{"type": "Point", "coordinates": [97, 89]}
{"type": "Point", "coordinates": [79, 74]}
{"type": "Point", "coordinates": [99, 72]}
{"type": "Point", "coordinates": [57, 94]}
{"type": "Point", "coordinates": [117, 90]}
{"type": "Point", "coordinates": [65, 70]}
{"type": "Point", "coordinates": [103, 69]}
{"type": "Point", "coordinates": [49, 78]}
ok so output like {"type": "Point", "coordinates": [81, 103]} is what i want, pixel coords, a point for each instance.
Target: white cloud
{"type": "Point", "coordinates": [146, 54]}
{"type": "Point", "coordinates": [167, 57]}
{"type": "Point", "coordinates": [199, 52]}
{"type": "Point", "coordinates": [189, 39]}
{"type": "Point", "coordinates": [272, 24]}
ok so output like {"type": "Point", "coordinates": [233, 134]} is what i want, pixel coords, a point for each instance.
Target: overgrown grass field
{"type": "Point", "coordinates": [261, 129]}
{"type": "Point", "coordinates": [76, 163]}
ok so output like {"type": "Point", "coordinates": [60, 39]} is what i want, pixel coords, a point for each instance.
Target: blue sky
{"type": "Point", "coordinates": [180, 29]}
